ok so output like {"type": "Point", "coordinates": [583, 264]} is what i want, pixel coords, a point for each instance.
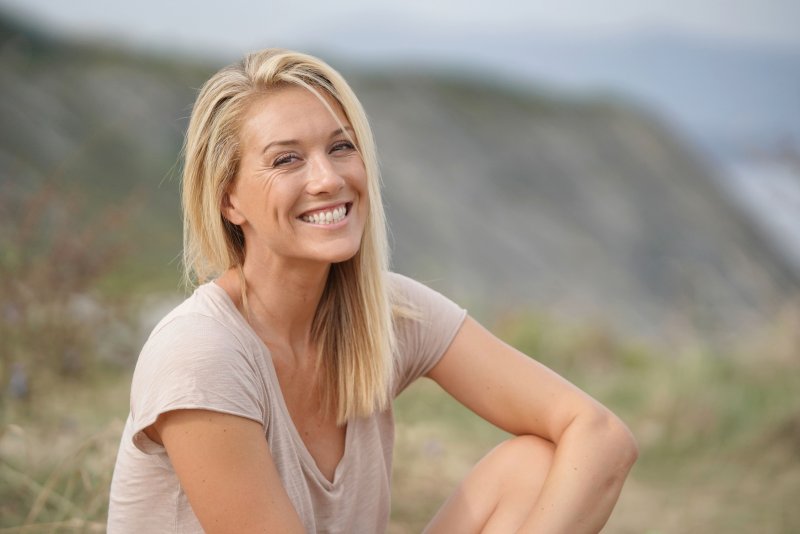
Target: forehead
{"type": "Point", "coordinates": [291, 112]}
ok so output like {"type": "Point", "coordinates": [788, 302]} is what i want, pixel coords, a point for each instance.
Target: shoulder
{"type": "Point", "coordinates": [416, 300]}
{"type": "Point", "coordinates": [201, 333]}
{"type": "Point", "coordinates": [199, 357]}
{"type": "Point", "coordinates": [425, 324]}
{"type": "Point", "coordinates": [206, 316]}
{"type": "Point", "coordinates": [405, 290]}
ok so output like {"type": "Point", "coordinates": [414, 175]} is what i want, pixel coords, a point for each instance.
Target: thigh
{"type": "Point", "coordinates": [499, 492]}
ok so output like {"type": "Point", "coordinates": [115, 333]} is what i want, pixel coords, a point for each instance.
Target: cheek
{"type": "Point", "coordinates": [264, 201]}
{"type": "Point", "coordinates": [360, 180]}
{"type": "Point", "coordinates": [282, 199]}
{"type": "Point", "coordinates": [363, 188]}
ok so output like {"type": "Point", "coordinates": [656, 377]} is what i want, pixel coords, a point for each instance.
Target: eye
{"type": "Point", "coordinates": [342, 146]}
{"type": "Point", "coordinates": [285, 159]}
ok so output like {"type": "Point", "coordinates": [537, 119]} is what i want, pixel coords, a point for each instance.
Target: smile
{"type": "Point", "coordinates": [326, 216]}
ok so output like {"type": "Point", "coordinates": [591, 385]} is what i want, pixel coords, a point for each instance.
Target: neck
{"type": "Point", "coordinates": [281, 299]}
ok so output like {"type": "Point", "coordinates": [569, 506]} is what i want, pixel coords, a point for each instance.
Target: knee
{"type": "Point", "coordinates": [522, 465]}
{"type": "Point", "coordinates": [501, 488]}
{"type": "Point", "coordinates": [516, 466]}
{"type": "Point", "coordinates": [529, 455]}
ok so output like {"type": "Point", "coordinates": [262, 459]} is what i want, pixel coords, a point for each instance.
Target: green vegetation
{"type": "Point", "coordinates": [55, 320]}
{"type": "Point", "coordinates": [719, 431]}
{"type": "Point", "coordinates": [57, 455]}
{"type": "Point", "coordinates": [719, 436]}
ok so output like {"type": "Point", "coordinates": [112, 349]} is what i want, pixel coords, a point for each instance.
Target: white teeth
{"type": "Point", "coordinates": [326, 217]}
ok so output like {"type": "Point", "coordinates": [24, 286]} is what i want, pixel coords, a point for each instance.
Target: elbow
{"type": "Point", "coordinates": [629, 447]}
{"type": "Point", "coordinates": [620, 443]}
{"type": "Point", "coordinates": [613, 437]}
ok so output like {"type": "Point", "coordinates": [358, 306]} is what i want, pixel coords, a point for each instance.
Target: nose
{"type": "Point", "coordinates": [324, 178]}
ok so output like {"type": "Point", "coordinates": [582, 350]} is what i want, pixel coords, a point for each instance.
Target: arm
{"type": "Point", "coordinates": [225, 467]}
{"type": "Point", "coordinates": [594, 449]}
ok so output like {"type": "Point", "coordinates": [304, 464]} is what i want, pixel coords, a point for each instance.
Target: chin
{"type": "Point", "coordinates": [343, 256]}
{"type": "Point", "coordinates": [339, 250]}
{"type": "Point", "coordinates": [329, 254]}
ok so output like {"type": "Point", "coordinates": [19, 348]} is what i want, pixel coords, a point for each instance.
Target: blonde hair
{"type": "Point", "coordinates": [353, 324]}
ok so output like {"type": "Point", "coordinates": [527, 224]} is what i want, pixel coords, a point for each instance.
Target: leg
{"type": "Point", "coordinates": [499, 492]}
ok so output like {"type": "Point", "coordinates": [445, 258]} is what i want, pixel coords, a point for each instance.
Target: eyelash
{"type": "Point", "coordinates": [288, 158]}
{"type": "Point", "coordinates": [283, 159]}
{"type": "Point", "coordinates": [343, 144]}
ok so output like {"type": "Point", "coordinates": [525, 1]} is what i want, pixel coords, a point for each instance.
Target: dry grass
{"type": "Point", "coordinates": [720, 440]}
{"type": "Point", "coordinates": [719, 431]}
{"type": "Point", "coordinates": [57, 456]}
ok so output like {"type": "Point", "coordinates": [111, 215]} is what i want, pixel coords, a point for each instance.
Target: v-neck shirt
{"type": "Point", "coordinates": [204, 355]}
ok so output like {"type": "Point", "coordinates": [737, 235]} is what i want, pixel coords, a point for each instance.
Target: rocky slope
{"type": "Point", "coordinates": [501, 199]}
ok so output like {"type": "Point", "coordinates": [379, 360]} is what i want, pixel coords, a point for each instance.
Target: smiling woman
{"type": "Point", "coordinates": [301, 193]}
{"type": "Point", "coordinates": [263, 402]}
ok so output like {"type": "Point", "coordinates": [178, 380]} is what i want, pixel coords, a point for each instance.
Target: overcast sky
{"type": "Point", "coordinates": [231, 28]}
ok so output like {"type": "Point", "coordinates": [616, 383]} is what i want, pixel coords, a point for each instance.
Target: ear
{"type": "Point", "coordinates": [230, 209]}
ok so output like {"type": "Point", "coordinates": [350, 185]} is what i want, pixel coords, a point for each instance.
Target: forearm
{"type": "Point", "coordinates": [592, 459]}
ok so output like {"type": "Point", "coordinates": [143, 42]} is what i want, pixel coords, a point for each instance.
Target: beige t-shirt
{"type": "Point", "coordinates": [204, 355]}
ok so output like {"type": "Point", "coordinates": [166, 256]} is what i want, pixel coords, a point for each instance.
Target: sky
{"type": "Point", "coordinates": [206, 29]}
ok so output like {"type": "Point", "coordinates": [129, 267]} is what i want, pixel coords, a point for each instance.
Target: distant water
{"type": "Point", "coordinates": [769, 191]}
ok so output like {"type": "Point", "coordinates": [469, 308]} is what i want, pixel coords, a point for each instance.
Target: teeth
{"type": "Point", "coordinates": [326, 217]}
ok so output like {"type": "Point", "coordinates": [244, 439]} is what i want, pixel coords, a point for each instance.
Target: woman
{"type": "Point", "coordinates": [263, 402]}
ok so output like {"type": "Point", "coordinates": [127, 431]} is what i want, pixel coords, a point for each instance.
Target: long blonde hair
{"type": "Point", "coordinates": [353, 325]}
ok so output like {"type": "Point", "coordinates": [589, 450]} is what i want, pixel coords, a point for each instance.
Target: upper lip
{"type": "Point", "coordinates": [326, 207]}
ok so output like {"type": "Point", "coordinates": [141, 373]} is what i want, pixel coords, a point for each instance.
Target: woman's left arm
{"type": "Point", "coordinates": [594, 449]}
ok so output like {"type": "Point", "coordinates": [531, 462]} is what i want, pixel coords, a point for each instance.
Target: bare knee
{"type": "Point", "coordinates": [522, 462]}
{"type": "Point", "coordinates": [500, 490]}
{"type": "Point", "coordinates": [525, 449]}
{"type": "Point", "coordinates": [516, 466]}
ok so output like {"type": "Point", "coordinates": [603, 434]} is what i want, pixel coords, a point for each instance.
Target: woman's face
{"type": "Point", "coordinates": [301, 190]}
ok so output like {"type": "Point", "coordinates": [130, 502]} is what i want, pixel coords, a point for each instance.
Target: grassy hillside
{"type": "Point", "coordinates": [543, 214]}
{"type": "Point", "coordinates": [103, 128]}
{"type": "Point", "coordinates": [719, 437]}
{"type": "Point", "coordinates": [588, 208]}
{"type": "Point", "coordinates": [500, 198]}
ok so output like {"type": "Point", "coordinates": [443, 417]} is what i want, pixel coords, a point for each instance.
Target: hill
{"type": "Point", "coordinates": [502, 199]}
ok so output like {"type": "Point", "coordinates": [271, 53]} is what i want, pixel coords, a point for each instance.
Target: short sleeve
{"type": "Point", "coordinates": [423, 339]}
{"type": "Point", "coordinates": [193, 362]}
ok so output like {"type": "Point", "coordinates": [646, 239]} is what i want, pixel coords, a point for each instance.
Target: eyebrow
{"type": "Point", "coordinates": [293, 142]}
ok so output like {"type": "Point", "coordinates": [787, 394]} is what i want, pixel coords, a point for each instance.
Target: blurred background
{"type": "Point", "coordinates": [613, 187]}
